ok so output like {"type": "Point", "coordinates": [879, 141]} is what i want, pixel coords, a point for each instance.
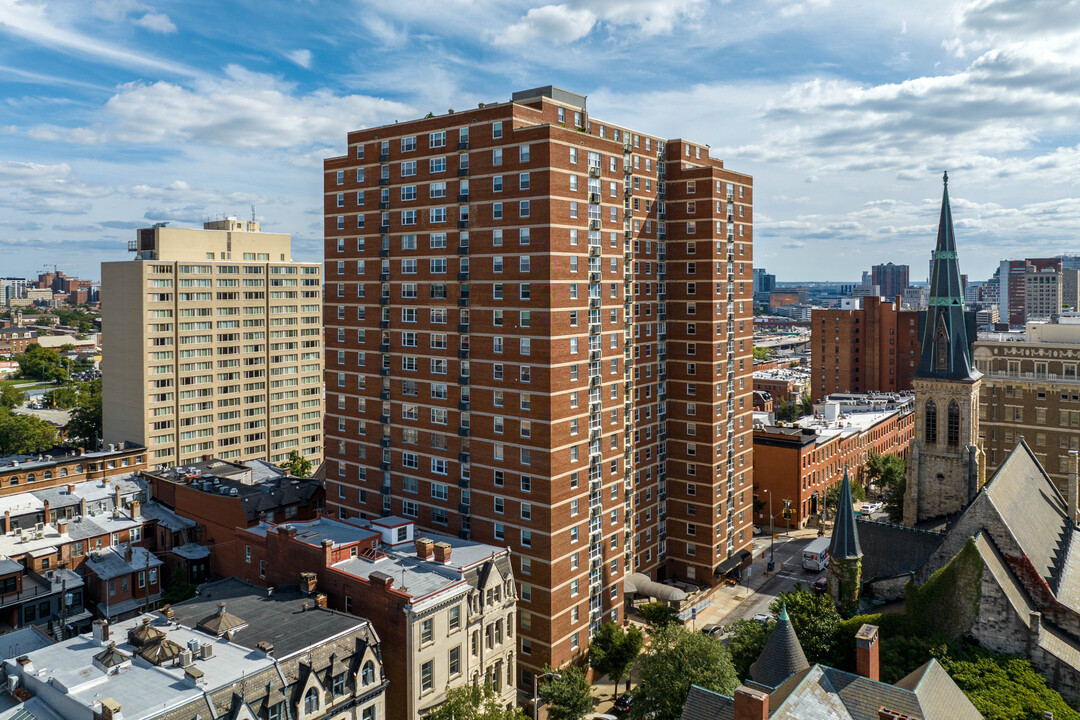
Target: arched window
{"type": "Point", "coordinates": [367, 674]}
{"type": "Point", "coordinates": [952, 437]}
{"type": "Point", "coordinates": [931, 423]}
{"type": "Point", "coordinates": [63, 472]}
{"type": "Point", "coordinates": [941, 350]}
{"type": "Point", "coordinates": [30, 478]}
{"type": "Point", "coordinates": [48, 475]}
{"type": "Point", "coordinates": [311, 701]}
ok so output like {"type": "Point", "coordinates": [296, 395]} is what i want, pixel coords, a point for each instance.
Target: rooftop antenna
{"type": "Point", "coordinates": [253, 212]}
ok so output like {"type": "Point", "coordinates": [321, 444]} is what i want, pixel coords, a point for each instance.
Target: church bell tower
{"type": "Point", "coordinates": [945, 465]}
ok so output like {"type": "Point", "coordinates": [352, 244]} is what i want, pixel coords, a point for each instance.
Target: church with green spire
{"type": "Point", "coordinates": [845, 555]}
{"type": "Point", "coordinates": [945, 466]}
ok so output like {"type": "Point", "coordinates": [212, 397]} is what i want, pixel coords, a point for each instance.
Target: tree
{"type": "Point", "coordinates": [24, 434]}
{"type": "Point", "coordinates": [888, 472]}
{"type": "Point", "coordinates": [85, 424]}
{"type": "Point", "coordinates": [761, 353]}
{"type": "Point", "coordinates": [297, 465]}
{"type": "Point", "coordinates": [41, 363]}
{"type": "Point", "coordinates": [474, 702]}
{"type": "Point", "coordinates": [612, 651]}
{"type": "Point", "coordinates": [676, 659]}
{"type": "Point", "coordinates": [746, 642]}
{"type": "Point", "coordinates": [11, 396]}
{"type": "Point", "coordinates": [177, 589]}
{"type": "Point", "coordinates": [66, 396]}
{"type": "Point", "coordinates": [568, 696]}
{"type": "Point", "coordinates": [657, 615]}
{"type": "Point", "coordinates": [815, 620]}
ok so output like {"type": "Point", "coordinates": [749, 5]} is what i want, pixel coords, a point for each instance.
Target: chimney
{"type": "Point", "coordinates": [101, 632]}
{"type": "Point", "coordinates": [82, 506]}
{"type": "Point", "coordinates": [288, 531]}
{"type": "Point", "coordinates": [116, 497]}
{"type": "Point", "coordinates": [7, 521]}
{"type": "Point", "coordinates": [308, 582]}
{"type": "Point", "coordinates": [1072, 493]}
{"type": "Point", "coordinates": [328, 552]}
{"type": "Point", "coordinates": [136, 509]}
{"type": "Point", "coordinates": [45, 510]}
{"type": "Point", "coordinates": [267, 648]}
{"type": "Point", "coordinates": [751, 704]}
{"type": "Point", "coordinates": [866, 652]}
{"type": "Point", "coordinates": [127, 553]}
{"type": "Point", "coordinates": [62, 525]}
{"type": "Point", "coordinates": [381, 579]}
{"type": "Point", "coordinates": [1034, 629]}
{"type": "Point", "coordinates": [442, 552]}
{"type": "Point", "coordinates": [884, 714]}
{"type": "Point", "coordinates": [71, 488]}
{"type": "Point", "coordinates": [425, 548]}
{"type": "Point", "coordinates": [110, 710]}
{"type": "Point", "coordinates": [82, 451]}
{"type": "Point", "coordinates": [320, 601]}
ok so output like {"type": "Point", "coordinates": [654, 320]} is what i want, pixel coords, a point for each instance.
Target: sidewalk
{"type": "Point", "coordinates": [726, 598]}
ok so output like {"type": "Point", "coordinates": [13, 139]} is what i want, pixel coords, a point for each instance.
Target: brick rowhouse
{"type": "Point", "coordinates": [539, 335]}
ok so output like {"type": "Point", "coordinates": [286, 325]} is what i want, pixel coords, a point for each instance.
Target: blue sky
{"type": "Point", "coordinates": [118, 113]}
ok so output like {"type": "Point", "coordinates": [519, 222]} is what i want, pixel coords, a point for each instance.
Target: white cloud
{"type": "Point", "coordinates": [243, 109]}
{"type": "Point", "coordinates": [550, 23]}
{"type": "Point", "coordinates": [35, 22]}
{"type": "Point", "coordinates": [156, 22]}
{"type": "Point", "coordinates": [300, 57]}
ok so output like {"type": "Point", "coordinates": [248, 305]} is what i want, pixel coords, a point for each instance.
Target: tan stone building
{"type": "Point", "coordinates": [1042, 292]}
{"type": "Point", "coordinates": [1031, 390]}
{"type": "Point", "coordinates": [213, 345]}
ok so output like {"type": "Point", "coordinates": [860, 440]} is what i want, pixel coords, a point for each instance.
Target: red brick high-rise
{"type": "Point", "coordinates": [872, 348]}
{"type": "Point", "coordinates": [539, 335]}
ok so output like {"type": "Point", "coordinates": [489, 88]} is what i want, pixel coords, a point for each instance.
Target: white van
{"type": "Point", "coordinates": [815, 556]}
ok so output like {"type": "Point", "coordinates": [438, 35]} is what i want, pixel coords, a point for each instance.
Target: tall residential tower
{"type": "Point", "coordinates": [212, 345]}
{"type": "Point", "coordinates": [539, 336]}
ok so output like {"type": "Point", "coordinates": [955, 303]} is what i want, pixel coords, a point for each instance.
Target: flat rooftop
{"type": "Point", "coordinates": [277, 617]}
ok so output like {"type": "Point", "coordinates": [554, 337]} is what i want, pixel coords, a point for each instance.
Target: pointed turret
{"type": "Point", "coordinates": [946, 340]}
{"type": "Point", "coordinates": [782, 655]}
{"type": "Point", "coordinates": [845, 537]}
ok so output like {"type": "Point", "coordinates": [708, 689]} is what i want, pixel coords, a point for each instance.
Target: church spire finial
{"type": "Point", "coordinates": [945, 178]}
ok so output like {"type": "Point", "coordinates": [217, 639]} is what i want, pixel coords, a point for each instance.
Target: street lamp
{"type": "Point", "coordinates": [772, 532]}
{"type": "Point", "coordinates": [536, 691]}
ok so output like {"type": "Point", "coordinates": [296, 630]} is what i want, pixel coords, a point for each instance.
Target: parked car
{"type": "Point", "coordinates": [712, 629]}
{"type": "Point", "coordinates": [820, 586]}
{"type": "Point", "coordinates": [622, 705]}
{"type": "Point", "coordinates": [763, 618]}
{"type": "Point", "coordinates": [870, 508]}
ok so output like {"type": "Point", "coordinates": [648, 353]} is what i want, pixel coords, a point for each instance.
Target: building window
{"type": "Point", "coordinates": [455, 661]}
{"type": "Point", "coordinates": [427, 676]}
{"type": "Point", "coordinates": [953, 428]}
{"type": "Point", "coordinates": [931, 423]}
{"type": "Point", "coordinates": [427, 631]}
{"type": "Point", "coordinates": [367, 675]}
{"type": "Point", "coordinates": [311, 701]}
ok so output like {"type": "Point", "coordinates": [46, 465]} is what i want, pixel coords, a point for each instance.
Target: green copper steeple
{"type": "Point", "coordinates": [948, 331]}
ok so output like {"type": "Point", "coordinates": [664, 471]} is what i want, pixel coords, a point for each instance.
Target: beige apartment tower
{"type": "Point", "coordinates": [212, 344]}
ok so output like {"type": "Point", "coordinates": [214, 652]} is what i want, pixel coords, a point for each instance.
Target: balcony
{"type": "Point", "coordinates": [627, 170]}
{"type": "Point", "coordinates": [594, 198]}
{"type": "Point", "coordinates": [594, 302]}
{"type": "Point", "coordinates": [628, 191]}
{"type": "Point", "coordinates": [595, 224]}
{"type": "Point", "coordinates": [594, 328]}
{"type": "Point", "coordinates": [594, 354]}
{"type": "Point", "coordinates": [594, 251]}
{"type": "Point", "coordinates": [594, 276]}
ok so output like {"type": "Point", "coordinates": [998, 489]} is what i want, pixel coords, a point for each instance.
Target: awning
{"type": "Point", "coordinates": [737, 561]}
{"type": "Point", "coordinates": [641, 584]}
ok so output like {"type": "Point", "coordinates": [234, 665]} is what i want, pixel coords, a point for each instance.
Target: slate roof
{"type": "Point", "coordinates": [782, 655]}
{"type": "Point", "coordinates": [702, 704]}
{"type": "Point", "coordinates": [845, 538]}
{"type": "Point", "coordinates": [110, 563]}
{"type": "Point", "coordinates": [1031, 507]}
{"type": "Point", "coordinates": [893, 550]}
{"type": "Point", "coordinates": [166, 517]}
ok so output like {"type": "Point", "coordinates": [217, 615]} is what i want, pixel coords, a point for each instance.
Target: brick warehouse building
{"type": "Point", "coordinates": [539, 335]}
{"type": "Point", "coordinates": [872, 348]}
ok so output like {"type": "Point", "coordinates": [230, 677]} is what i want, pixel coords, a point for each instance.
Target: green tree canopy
{"type": "Point", "coordinates": [568, 696]}
{"type": "Point", "coordinates": [888, 472]}
{"type": "Point", "coordinates": [25, 434]}
{"type": "Point", "coordinates": [297, 465]}
{"type": "Point", "coordinates": [746, 642]}
{"type": "Point", "coordinates": [474, 702]}
{"type": "Point", "coordinates": [676, 659]}
{"type": "Point", "coordinates": [84, 427]}
{"type": "Point", "coordinates": [613, 650]}
{"type": "Point", "coordinates": [815, 620]}
{"type": "Point", "coordinates": [43, 364]}
{"type": "Point", "coordinates": [11, 396]}
{"type": "Point", "coordinates": [657, 614]}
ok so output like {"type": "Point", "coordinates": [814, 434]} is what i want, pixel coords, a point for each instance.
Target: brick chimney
{"type": "Point", "coordinates": [328, 552]}
{"type": "Point", "coordinates": [751, 704]}
{"type": "Point", "coordinates": [45, 510]}
{"type": "Point", "coordinates": [320, 601]}
{"type": "Point", "coordinates": [442, 552]}
{"type": "Point", "coordinates": [117, 498]}
{"type": "Point", "coordinates": [110, 710]}
{"type": "Point", "coordinates": [7, 521]}
{"type": "Point", "coordinates": [866, 652]}
{"type": "Point", "coordinates": [308, 582]}
{"type": "Point", "coordinates": [381, 579]}
{"type": "Point", "coordinates": [287, 531]}
{"type": "Point", "coordinates": [71, 488]}
{"type": "Point", "coordinates": [101, 632]}
{"type": "Point", "coordinates": [425, 548]}
{"type": "Point", "coordinates": [884, 714]}
{"type": "Point", "coordinates": [127, 553]}
{"type": "Point", "coordinates": [62, 525]}
{"type": "Point", "coordinates": [136, 509]}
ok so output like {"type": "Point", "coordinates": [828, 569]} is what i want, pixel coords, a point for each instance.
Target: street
{"type": "Point", "coordinates": [789, 571]}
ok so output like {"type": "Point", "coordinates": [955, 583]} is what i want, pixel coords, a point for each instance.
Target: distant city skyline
{"type": "Point", "coordinates": [121, 113]}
